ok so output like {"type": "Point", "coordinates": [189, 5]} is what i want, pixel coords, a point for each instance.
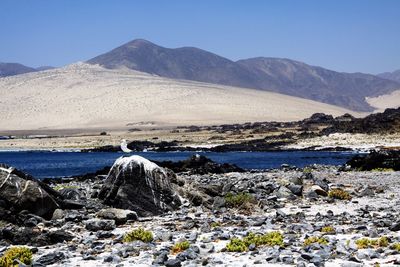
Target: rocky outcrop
{"type": "Point", "coordinates": [383, 123]}
{"type": "Point", "coordinates": [20, 192]}
{"type": "Point", "coordinates": [140, 185]}
{"type": "Point", "coordinates": [198, 164]}
{"type": "Point", "coordinates": [376, 160]}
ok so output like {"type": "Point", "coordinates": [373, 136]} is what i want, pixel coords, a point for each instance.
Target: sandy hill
{"type": "Point", "coordinates": [279, 75]}
{"type": "Point", "coordinates": [89, 96]}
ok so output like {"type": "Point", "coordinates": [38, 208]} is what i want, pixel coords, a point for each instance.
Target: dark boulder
{"type": "Point", "coordinates": [33, 236]}
{"type": "Point", "coordinates": [19, 192]}
{"type": "Point", "coordinates": [198, 164]}
{"type": "Point", "coordinates": [140, 185]}
{"type": "Point", "coordinates": [319, 118]}
{"type": "Point", "coordinates": [385, 122]}
{"type": "Point", "coordinates": [376, 160]}
{"type": "Point", "coordinates": [50, 258]}
{"type": "Point", "coordinates": [70, 193]}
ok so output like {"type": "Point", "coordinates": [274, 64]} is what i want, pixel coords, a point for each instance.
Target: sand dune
{"type": "Point", "coordinates": [89, 96]}
{"type": "Point", "coordinates": [382, 102]}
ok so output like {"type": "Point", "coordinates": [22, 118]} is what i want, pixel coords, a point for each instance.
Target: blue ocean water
{"type": "Point", "coordinates": [42, 164]}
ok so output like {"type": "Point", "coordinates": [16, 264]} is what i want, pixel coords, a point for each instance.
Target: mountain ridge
{"type": "Point", "coordinates": [294, 78]}
{"type": "Point", "coordinates": [10, 69]}
{"type": "Point", "coordinates": [394, 75]}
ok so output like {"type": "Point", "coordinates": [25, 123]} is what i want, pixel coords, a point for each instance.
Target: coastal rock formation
{"type": "Point", "coordinates": [384, 123]}
{"type": "Point", "coordinates": [198, 164]}
{"type": "Point", "coordinates": [19, 192]}
{"type": "Point", "coordinates": [389, 160]}
{"type": "Point", "coordinates": [140, 185]}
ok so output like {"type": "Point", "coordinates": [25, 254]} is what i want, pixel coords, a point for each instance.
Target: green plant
{"type": "Point", "coordinates": [3, 223]}
{"type": "Point", "coordinates": [138, 234]}
{"type": "Point", "coordinates": [215, 224]}
{"type": "Point", "coordinates": [383, 170]}
{"type": "Point", "coordinates": [307, 170]}
{"type": "Point", "coordinates": [238, 200]}
{"type": "Point", "coordinates": [181, 246]}
{"type": "Point", "coordinates": [22, 254]}
{"type": "Point", "coordinates": [236, 245]}
{"type": "Point", "coordinates": [372, 243]}
{"type": "Point", "coordinates": [396, 246]}
{"type": "Point", "coordinates": [315, 239]}
{"type": "Point", "coordinates": [338, 193]}
{"type": "Point", "coordinates": [328, 230]}
{"type": "Point", "coordinates": [61, 186]}
{"type": "Point", "coordinates": [270, 239]}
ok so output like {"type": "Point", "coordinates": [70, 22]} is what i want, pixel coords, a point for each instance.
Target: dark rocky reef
{"type": "Point", "coordinates": [198, 164]}
{"type": "Point", "coordinates": [386, 159]}
{"type": "Point", "coordinates": [380, 123]}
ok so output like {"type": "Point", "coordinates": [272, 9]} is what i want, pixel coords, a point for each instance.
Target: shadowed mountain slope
{"type": "Point", "coordinates": [394, 76]}
{"type": "Point", "coordinates": [271, 74]}
{"type": "Point", "coordinates": [10, 69]}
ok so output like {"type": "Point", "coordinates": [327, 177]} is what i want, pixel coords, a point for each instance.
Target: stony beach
{"type": "Point", "coordinates": [318, 216]}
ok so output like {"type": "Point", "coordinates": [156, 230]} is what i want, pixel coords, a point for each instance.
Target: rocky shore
{"type": "Point", "coordinates": [140, 214]}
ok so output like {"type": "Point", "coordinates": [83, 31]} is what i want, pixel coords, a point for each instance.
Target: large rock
{"type": "Point", "coordinates": [140, 185]}
{"type": "Point", "coordinates": [198, 164]}
{"type": "Point", "coordinates": [120, 216]}
{"type": "Point", "coordinates": [376, 160]}
{"type": "Point", "coordinates": [20, 192]}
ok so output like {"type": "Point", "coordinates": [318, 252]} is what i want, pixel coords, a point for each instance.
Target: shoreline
{"type": "Point", "coordinates": [211, 224]}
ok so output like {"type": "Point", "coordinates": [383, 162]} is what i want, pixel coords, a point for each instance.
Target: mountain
{"type": "Point", "coordinates": [394, 76]}
{"type": "Point", "coordinates": [9, 69]}
{"type": "Point", "coordinates": [271, 74]}
{"type": "Point", "coordinates": [186, 63]}
{"type": "Point", "coordinates": [299, 79]}
{"type": "Point", "coordinates": [90, 96]}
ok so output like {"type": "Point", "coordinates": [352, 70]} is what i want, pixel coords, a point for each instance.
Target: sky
{"type": "Point", "coordinates": [343, 35]}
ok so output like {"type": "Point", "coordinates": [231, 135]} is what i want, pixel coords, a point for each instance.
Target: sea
{"type": "Point", "coordinates": [49, 164]}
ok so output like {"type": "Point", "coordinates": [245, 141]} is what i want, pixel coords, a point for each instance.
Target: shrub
{"type": "Point", "coordinates": [338, 193]}
{"type": "Point", "coordinates": [236, 245]}
{"type": "Point", "coordinates": [315, 240]}
{"type": "Point", "coordinates": [215, 224]}
{"type": "Point", "coordinates": [270, 239]}
{"type": "Point", "coordinates": [138, 234]}
{"type": "Point", "coordinates": [307, 170]}
{"type": "Point", "coordinates": [383, 170]}
{"type": "Point", "coordinates": [22, 254]}
{"type": "Point", "coordinates": [372, 243]}
{"type": "Point", "coordinates": [181, 246]}
{"type": "Point", "coordinates": [238, 200]}
{"type": "Point", "coordinates": [328, 230]}
{"type": "Point", "coordinates": [61, 186]}
{"type": "Point", "coordinates": [396, 246]}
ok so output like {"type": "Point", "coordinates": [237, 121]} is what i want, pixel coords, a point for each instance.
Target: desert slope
{"type": "Point", "coordinates": [380, 103]}
{"type": "Point", "coordinates": [89, 96]}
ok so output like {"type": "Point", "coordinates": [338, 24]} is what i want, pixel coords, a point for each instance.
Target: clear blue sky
{"type": "Point", "coordinates": [344, 35]}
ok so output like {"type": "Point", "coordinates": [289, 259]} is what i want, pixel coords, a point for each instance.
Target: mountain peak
{"type": "Point", "coordinates": [264, 73]}
{"type": "Point", "coordinates": [140, 42]}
